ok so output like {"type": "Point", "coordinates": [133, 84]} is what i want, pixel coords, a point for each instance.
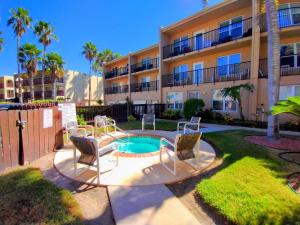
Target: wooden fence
{"type": "Point", "coordinates": [23, 144]}
{"type": "Point", "coordinates": [120, 112]}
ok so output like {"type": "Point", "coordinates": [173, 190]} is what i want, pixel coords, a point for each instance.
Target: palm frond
{"type": "Point", "coordinates": [290, 106]}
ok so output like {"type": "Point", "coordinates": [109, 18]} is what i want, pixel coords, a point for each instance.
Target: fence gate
{"type": "Point", "coordinates": [28, 134]}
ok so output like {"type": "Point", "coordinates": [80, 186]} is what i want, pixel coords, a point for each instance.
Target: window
{"type": "Point", "coordinates": [228, 64]}
{"type": "Point", "coordinates": [181, 74]}
{"type": "Point", "coordinates": [232, 28]}
{"type": "Point", "coordinates": [289, 14]}
{"type": "Point", "coordinates": [223, 104]}
{"type": "Point", "coordinates": [198, 40]}
{"type": "Point", "coordinates": [288, 91]}
{"type": "Point", "coordinates": [194, 95]}
{"type": "Point", "coordinates": [180, 45]}
{"type": "Point", "coordinates": [175, 100]}
{"type": "Point", "coordinates": [198, 73]}
{"type": "Point", "coordinates": [146, 62]}
{"type": "Point", "coordinates": [145, 82]}
{"type": "Point", "coordinates": [290, 55]}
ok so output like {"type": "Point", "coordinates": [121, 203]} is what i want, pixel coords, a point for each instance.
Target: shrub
{"type": "Point", "coordinates": [207, 114]}
{"type": "Point", "coordinates": [100, 102]}
{"type": "Point", "coordinates": [218, 116]}
{"type": "Point", "coordinates": [192, 107]}
{"type": "Point", "coordinates": [131, 118]}
{"type": "Point", "coordinates": [80, 120]}
{"type": "Point", "coordinates": [171, 114]}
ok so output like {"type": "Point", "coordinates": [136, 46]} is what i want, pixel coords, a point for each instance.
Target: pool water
{"type": "Point", "coordinates": [138, 144]}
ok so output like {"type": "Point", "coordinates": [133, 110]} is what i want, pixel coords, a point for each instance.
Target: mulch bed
{"type": "Point", "coordinates": [289, 147]}
{"type": "Point", "coordinates": [281, 144]}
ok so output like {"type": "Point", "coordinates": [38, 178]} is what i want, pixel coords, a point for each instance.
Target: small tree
{"type": "Point", "coordinates": [192, 107]}
{"type": "Point", "coordinates": [1, 42]}
{"type": "Point", "coordinates": [234, 92]}
{"type": "Point", "coordinates": [291, 106]}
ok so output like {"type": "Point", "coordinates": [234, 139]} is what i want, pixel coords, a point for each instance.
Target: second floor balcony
{"type": "Point", "coordinates": [116, 72]}
{"type": "Point", "coordinates": [38, 94]}
{"type": "Point", "coordinates": [38, 81]}
{"type": "Point", "coordinates": [226, 33]}
{"type": "Point", "coordinates": [145, 86]}
{"type": "Point", "coordinates": [116, 89]}
{"type": "Point", "coordinates": [232, 72]}
{"type": "Point", "coordinates": [145, 65]}
{"type": "Point", "coordinates": [289, 66]}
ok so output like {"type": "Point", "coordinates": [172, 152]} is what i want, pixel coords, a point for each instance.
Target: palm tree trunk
{"type": "Point", "coordinates": [90, 83]}
{"type": "Point", "coordinates": [241, 109]}
{"type": "Point", "coordinates": [273, 65]}
{"type": "Point", "coordinates": [43, 73]}
{"type": "Point", "coordinates": [19, 71]}
{"type": "Point", "coordinates": [54, 92]}
{"type": "Point", "coordinates": [31, 86]}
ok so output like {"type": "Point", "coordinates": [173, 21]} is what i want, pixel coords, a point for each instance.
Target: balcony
{"type": "Point", "coordinates": [38, 81]}
{"type": "Point", "coordinates": [38, 94]}
{"type": "Point", "coordinates": [146, 65]}
{"type": "Point", "coordinates": [286, 18]}
{"type": "Point", "coordinates": [146, 86]}
{"type": "Point", "coordinates": [116, 90]}
{"type": "Point", "coordinates": [211, 38]}
{"type": "Point", "coordinates": [9, 84]}
{"type": "Point", "coordinates": [116, 72]}
{"type": "Point", "coordinates": [290, 65]}
{"type": "Point", "coordinates": [1, 85]}
{"type": "Point", "coordinates": [232, 72]}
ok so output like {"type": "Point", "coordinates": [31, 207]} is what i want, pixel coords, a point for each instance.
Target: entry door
{"type": "Point", "coordinates": [198, 73]}
{"type": "Point", "coordinates": [198, 39]}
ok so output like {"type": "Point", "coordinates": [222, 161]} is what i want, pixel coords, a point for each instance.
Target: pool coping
{"type": "Point", "coordinates": [133, 155]}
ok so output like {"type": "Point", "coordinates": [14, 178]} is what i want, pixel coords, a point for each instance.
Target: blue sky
{"type": "Point", "coordinates": [121, 26]}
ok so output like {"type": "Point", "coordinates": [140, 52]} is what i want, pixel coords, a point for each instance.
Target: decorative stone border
{"type": "Point", "coordinates": [132, 155]}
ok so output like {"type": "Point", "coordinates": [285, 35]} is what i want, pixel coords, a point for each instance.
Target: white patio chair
{"type": "Point", "coordinates": [192, 125]}
{"type": "Point", "coordinates": [90, 152]}
{"type": "Point", "coordinates": [186, 148]}
{"type": "Point", "coordinates": [79, 130]}
{"type": "Point", "coordinates": [148, 119]}
{"type": "Point", "coordinates": [105, 122]}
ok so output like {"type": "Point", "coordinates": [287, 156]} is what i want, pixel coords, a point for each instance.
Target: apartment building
{"type": "Point", "coordinates": [7, 88]}
{"type": "Point", "coordinates": [221, 46]}
{"type": "Point", "coordinates": [73, 86]}
{"type": "Point", "coordinates": [37, 81]}
{"type": "Point", "coordinates": [76, 87]}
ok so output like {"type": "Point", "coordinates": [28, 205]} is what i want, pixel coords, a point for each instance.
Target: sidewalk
{"type": "Point", "coordinates": [210, 127]}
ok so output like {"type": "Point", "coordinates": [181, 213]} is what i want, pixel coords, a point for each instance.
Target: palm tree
{"type": "Point", "coordinates": [19, 20]}
{"type": "Point", "coordinates": [90, 52]}
{"type": "Point", "coordinates": [29, 57]}
{"type": "Point", "coordinates": [235, 93]}
{"type": "Point", "coordinates": [273, 65]}
{"type": "Point", "coordinates": [54, 66]}
{"type": "Point", "coordinates": [105, 56]}
{"type": "Point", "coordinates": [1, 42]}
{"type": "Point", "coordinates": [291, 106]}
{"type": "Point", "coordinates": [44, 32]}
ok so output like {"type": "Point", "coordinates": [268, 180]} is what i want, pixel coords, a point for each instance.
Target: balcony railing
{"type": "Point", "coordinates": [38, 81]}
{"type": "Point", "coordinates": [286, 18]}
{"type": "Point", "coordinates": [2, 96]}
{"type": "Point", "coordinates": [211, 38]}
{"type": "Point", "coordinates": [289, 65]}
{"type": "Point", "coordinates": [116, 72]}
{"type": "Point", "coordinates": [232, 72]}
{"type": "Point", "coordinates": [10, 95]}
{"type": "Point", "coordinates": [146, 86]}
{"type": "Point", "coordinates": [146, 65]}
{"type": "Point", "coordinates": [116, 90]}
{"type": "Point", "coordinates": [9, 84]}
{"type": "Point", "coordinates": [38, 94]}
{"type": "Point", "coordinates": [1, 85]}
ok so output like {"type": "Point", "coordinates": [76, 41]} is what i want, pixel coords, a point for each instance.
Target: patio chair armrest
{"type": "Point", "coordinates": [108, 148]}
{"type": "Point", "coordinates": [76, 131]}
{"type": "Point", "coordinates": [111, 122]}
{"type": "Point", "coordinates": [166, 140]}
{"type": "Point", "coordinates": [86, 126]}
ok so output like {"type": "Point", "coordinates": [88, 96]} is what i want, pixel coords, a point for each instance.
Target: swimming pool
{"type": "Point", "coordinates": [138, 144]}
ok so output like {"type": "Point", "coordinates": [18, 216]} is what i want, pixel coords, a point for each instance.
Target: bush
{"type": "Point", "coordinates": [171, 114]}
{"type": "Point", "coordinates": [192, 107]}
{"type": "Point", "coordinates": [131, 118]}
{"type": "Point", "coordinates": [80, 120]}
{"type": "Point", "coordinates": [100, 102]}
{"type": "Point", "coordinates": [206, 115]}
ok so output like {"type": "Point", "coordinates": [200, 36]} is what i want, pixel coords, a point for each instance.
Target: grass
{"type": "Point", "coordinates": [26, 196]}
{"type": "Point", "coordinates": [250, 187]}
{"type": "Point", "coordinates": [167, 125]}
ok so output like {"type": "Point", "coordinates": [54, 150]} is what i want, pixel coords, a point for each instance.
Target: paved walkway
{"type": "Point", "coordinates": [148, 205]}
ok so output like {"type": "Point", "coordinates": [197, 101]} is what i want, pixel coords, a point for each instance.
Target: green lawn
{"type": "Point", "coordinates": [26, 196]}
{"type": "Point", "coordinates": [250, 187]}
{"type": "Point", "coordinates": [160, 125]}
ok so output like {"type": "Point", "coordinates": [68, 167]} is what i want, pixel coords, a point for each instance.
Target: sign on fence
{"type": "Point", "coordinates": [48, 118]}
{"type": "Point", "coordinates": [68, 112]}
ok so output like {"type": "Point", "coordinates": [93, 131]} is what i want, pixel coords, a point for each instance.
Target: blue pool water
{"type": "Point", "coordinates": [138, 144]}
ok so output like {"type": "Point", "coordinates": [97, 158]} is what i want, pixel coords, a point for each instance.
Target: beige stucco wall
{"type": "Point", "coordinates": [76, 87]}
